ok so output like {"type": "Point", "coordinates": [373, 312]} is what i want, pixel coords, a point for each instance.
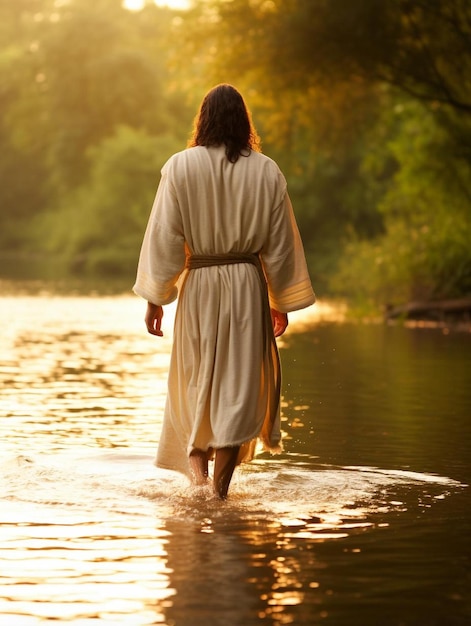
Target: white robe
{"type": "Point", "coordinates": [219, 381]}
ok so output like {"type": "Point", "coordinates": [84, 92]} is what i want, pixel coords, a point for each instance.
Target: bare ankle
{"type": "Point", "coordinates": [224, 465]}
{"type": "Point", "coordinates": [199, 467]}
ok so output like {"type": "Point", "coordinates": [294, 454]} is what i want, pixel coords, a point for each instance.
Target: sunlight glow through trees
{"type": "Point", "coordinates": [137, 5]}
{"type": "Point", "coordinates": [366, 107]}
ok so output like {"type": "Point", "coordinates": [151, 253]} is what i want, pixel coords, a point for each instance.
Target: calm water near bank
{"type": "Point", "coordinates": [364, 520]}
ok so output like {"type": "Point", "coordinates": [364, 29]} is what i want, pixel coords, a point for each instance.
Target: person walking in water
{"type": "Point", "coordinates": [222, 236]}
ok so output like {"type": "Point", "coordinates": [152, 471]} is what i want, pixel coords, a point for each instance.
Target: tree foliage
{"type": "Point", "coordinates": [365, 105]}
{"type": "Point", "coordinates": [84, 85]}
{"type": "Point", "coordinates": [368, 107]}
{"type": "Point", "coordinates": [424, 252]}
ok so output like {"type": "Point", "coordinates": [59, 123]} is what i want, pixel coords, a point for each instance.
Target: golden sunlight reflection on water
{"type": "Point", "coordinates": [92, 533]}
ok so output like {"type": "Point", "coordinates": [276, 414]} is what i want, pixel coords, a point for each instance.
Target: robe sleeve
{"type": "Point", "coordinates": [284, 262]}
{"type": "Point", "coordinates": [162, 256]}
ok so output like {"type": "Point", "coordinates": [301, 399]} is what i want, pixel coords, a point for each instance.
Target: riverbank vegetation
{"type": "Point", "coordinates": [366, 106]}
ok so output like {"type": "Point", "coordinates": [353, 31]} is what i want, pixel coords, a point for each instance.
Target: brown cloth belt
{"type": "Point", "coordinates": [197, 261]}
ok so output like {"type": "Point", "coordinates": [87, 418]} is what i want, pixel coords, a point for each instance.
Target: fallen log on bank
{"type": "Point", "coordinates": [433, 310]}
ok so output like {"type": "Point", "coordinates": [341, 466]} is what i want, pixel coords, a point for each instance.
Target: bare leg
{"type": "Point", "coordinates": [224, 465]}
{"type": "Point", "coordinates": [199, 467]}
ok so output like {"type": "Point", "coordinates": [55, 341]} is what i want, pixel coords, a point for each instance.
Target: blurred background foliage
{"type": "Point", "coordinates": [365, 105]}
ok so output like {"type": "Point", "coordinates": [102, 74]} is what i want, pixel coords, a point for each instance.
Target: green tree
{"type": "Point", "coordinates": [73, 73]}
{"type": "Point", "coordinates": [422, 47]}
{"type": "Point", "coordinates": [424, 252]}
{"type": "Point", "coordinates": [100, 226]}
{"type": "Point", "coordinates": [95, 80]}
{"type": "Point", "coordinates": [23, 169]}
{"type": "Point", "coordinates": [327, 79]}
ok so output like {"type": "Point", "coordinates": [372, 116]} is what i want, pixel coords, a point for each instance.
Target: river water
{"type": "Point", "coordinates": [362, 521]}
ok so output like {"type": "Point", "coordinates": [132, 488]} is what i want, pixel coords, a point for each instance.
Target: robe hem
{"type": "Point", "coordinates": [274, 447]}
{"type": "Point", "coordinates": [172, 468]}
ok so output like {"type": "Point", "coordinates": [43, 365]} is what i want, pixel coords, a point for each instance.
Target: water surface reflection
{"type": "Point", "coordinates": [363, 519]}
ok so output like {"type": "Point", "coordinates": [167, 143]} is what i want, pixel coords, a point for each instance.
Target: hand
{"type": "Point", "coordinates": [153, 319]}
{"type": "Point", "coordinates": [280, 322]}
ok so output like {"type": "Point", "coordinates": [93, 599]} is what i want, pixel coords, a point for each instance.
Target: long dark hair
{"type": "Point", "coordinates": [224, 119]}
